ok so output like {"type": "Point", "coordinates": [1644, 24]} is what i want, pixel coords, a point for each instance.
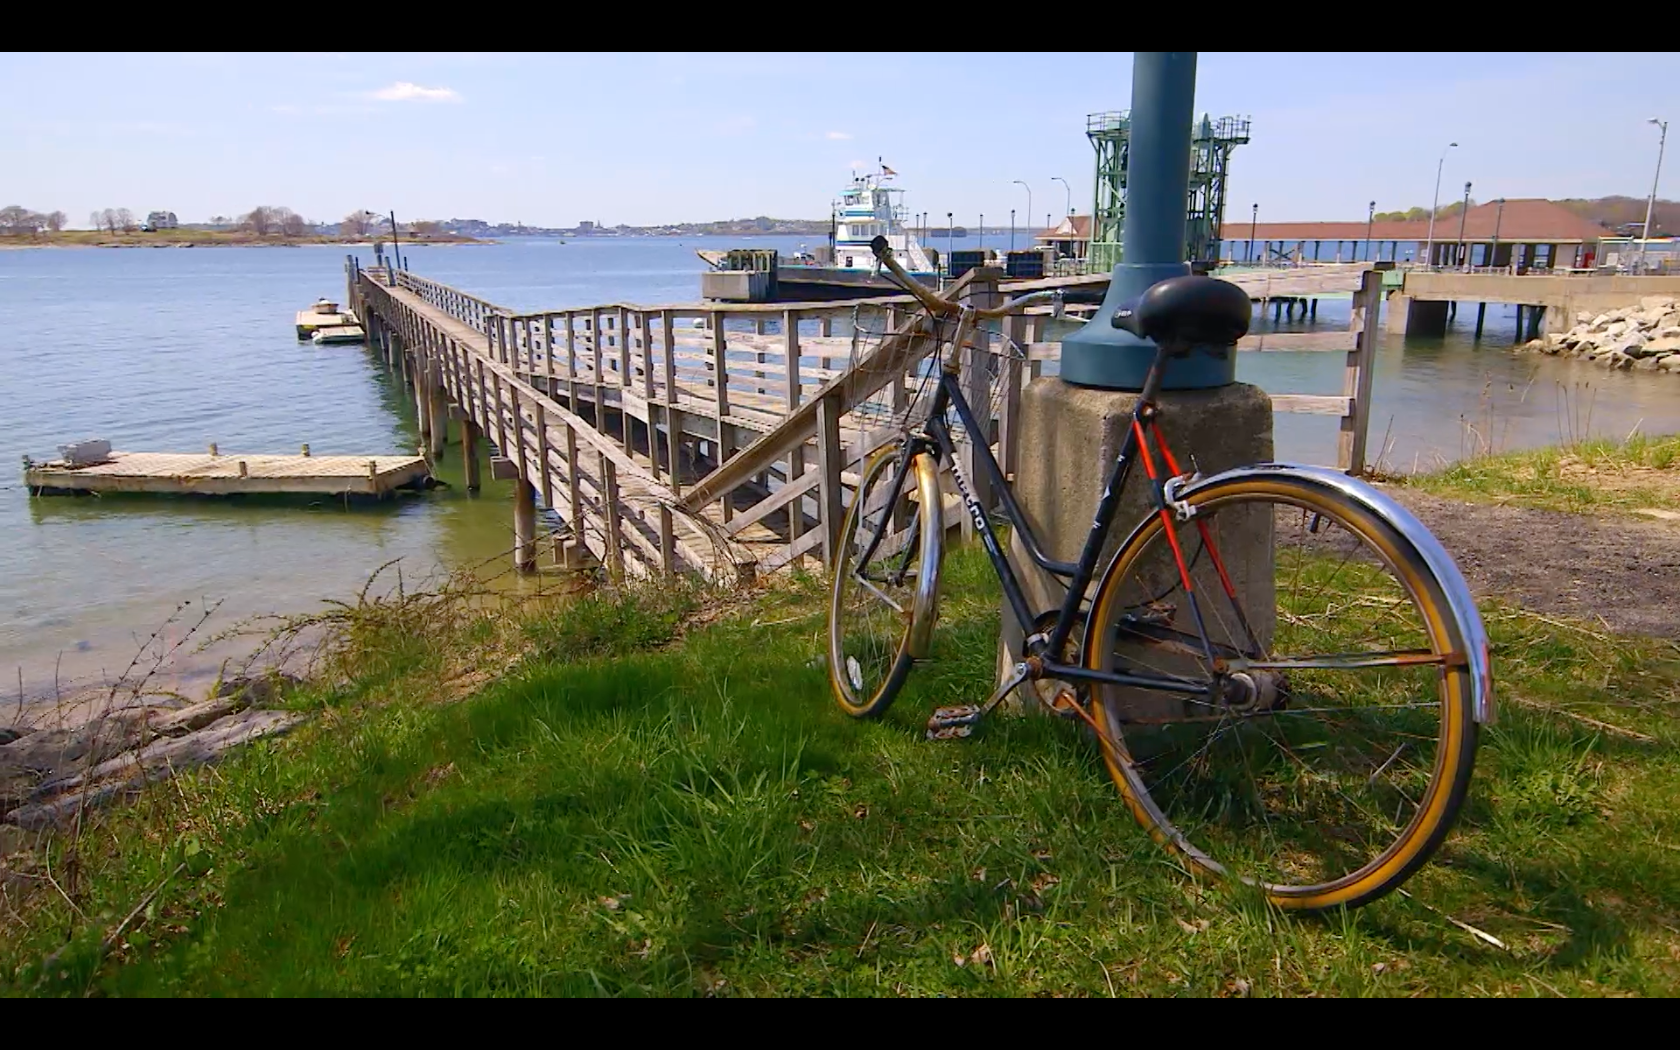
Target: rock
{"type": "Point", "coordinates": [257, 692]}
{"type": "Point", "coordinates": [1632, 344]}
{"type": "Point", "coordinates": [1614, 329]}
{"type": "Point", "coordinates": [1663, 344]}
{"type": "Point", "coordinates": [9, 734]}
{"type": "Point", "coordinates": [1671, 363]}
{"type": "Point", "coordinates": [1670, 320]}
{"type": "Point", "coordinates": [1583, 319]}
{"type": "Point", "coordinates": [1648, 364]}
{"type": "Point", "coordinates": [1660, 303]}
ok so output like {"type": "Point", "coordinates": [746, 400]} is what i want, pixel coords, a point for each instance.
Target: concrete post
{"type": "Point", "coordinates": [1396, 313]}
{"type": "Point", "coordinates": [524, 527]}
{"type": "Point", "coordinates": [1426, 317]}
{"type": "Point", "coordinates": [1075, 433]}
{"type": "Point", "coordinates": [1071, 434]}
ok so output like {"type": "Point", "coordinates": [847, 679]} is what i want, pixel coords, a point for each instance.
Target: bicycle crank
{"type": "Point", "coordinates": [958, 721]}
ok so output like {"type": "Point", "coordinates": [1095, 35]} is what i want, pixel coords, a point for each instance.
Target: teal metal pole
{"type": "Point", "coordinates": [1152, 244]}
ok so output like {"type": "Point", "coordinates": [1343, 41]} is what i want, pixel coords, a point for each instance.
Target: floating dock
{"type": "Point", "coordinates": [323, 315]}
{"type": "Point", "coordinates": [226, 474]}
{"type": "Point", "coordinates": [347, 333]}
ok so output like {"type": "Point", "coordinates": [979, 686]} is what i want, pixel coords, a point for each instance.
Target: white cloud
{"type": "Point", "coordinates": [286, 108]}
{"type": "Point", "coordinates": [405, 91]}
{"type": "Point", "coordinates": [838, 136]}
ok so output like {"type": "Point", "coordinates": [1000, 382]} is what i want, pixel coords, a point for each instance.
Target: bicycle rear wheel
{"type": "Point", "coordinates": [882, 607]}
{"type": "Point", "coordinates": [1336, 756]}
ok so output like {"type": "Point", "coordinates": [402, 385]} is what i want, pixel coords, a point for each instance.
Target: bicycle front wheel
{"type": "Point", "coordinates": [1335, 747]}
{"type": "Point", "coordinates": [886, 580]}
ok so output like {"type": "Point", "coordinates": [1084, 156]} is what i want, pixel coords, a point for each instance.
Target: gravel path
{"type": "Point", "coordinates": [1625, 573]}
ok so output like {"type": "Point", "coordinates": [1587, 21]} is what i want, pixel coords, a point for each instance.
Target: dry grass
{"type": "Point", "coordinates": [1639, 476]}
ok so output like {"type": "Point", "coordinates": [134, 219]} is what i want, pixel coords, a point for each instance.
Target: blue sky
{"type": "Point", "coordinates": [643, 138]}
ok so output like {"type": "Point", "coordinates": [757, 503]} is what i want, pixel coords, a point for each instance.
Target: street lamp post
{"type": "Point", "coordinates": [1650, 202]}
{"type": "Point", "coordinates": [1498, 217]}
{"type": "Point", "coordinates": [1069, 189]}
{"type": "Point", "coordinates": [1253, 228]}
{"type": "Point", "coordinates": [1429, 245]}
{"type": "Point", "coordinates": [950, 235]}
{"type": "Point", "coordinates": [1011, 229]}
{"type": "Point", "coordinates": [1023, 185]}
{"type": "Point", "coordinates": [1370, 217]}
{"type": "Point", "coordinates": [1464, 257]}
{"type": "Point", "coordinates": [982, 231]}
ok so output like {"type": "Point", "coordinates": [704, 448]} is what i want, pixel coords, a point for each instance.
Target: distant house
{"type": "Point", "coordinates": [1071, 238]}
{"type": "Point", "coordinates": [161, 220]}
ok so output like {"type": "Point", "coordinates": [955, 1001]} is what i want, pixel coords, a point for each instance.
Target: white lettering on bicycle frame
{"type": "Point", "coordinates": [974, 512]}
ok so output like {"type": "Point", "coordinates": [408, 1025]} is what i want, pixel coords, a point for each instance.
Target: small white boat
{"type": "Point", "coordinates": [324, 314]}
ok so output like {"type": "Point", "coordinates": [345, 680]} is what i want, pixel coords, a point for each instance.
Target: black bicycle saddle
{"type": "Point", "coordinates": [1188, 311]}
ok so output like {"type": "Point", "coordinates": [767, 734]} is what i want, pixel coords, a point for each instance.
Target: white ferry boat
{"type": "Point", "coordinates": [871, 208]}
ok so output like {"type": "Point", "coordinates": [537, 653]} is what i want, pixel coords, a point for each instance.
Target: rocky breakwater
{"type": "Point", "coordinates": [1645, 337]}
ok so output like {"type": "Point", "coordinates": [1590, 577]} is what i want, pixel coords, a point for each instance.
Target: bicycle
{"type": "Point", "coordinates": [1324, 779]}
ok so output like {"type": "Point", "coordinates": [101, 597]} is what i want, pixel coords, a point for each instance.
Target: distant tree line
{"type": "Point", "coordinates": [1447, 210]}
{"type": "Point", "coordinates": [264, 220]}
{"type": "Point", "coordinates": [18, 221]}
{"type": "Point", "coordinates": [1609, 212]}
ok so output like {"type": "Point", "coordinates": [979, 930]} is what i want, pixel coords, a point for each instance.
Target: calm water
{"type": "Point", "coordinates": [174, 349]}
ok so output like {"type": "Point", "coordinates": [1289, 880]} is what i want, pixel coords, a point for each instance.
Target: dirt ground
{"type": "Point", "coordinates": [1623, 573]}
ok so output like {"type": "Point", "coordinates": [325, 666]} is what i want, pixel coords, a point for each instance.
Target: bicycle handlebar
{"type": "Point", "coordinates": [938, 304]}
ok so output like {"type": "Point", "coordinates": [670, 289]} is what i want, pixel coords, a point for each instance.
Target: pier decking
{"type": "Point", "coordinates": [720, 439]}
{"type": "Point", "coordinates": [176, 473]}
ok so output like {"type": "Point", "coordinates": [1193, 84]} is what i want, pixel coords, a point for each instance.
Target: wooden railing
{"type": "Point", "coordinates": [721, 439]}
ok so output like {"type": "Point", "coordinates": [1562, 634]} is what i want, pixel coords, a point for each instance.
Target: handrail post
{"type": "Point", "coordinates": [720, 355]}
{"type": "Point", "coordinates": [830, 458]}
{"type": "Point", "coordinates": [1357, 376]}
{"type": "Point", "coordinates": [673, 414]}
{"type": "Point", "coordinates": [982, 293]}
{"type": "Point", "coordinates": [796, 454]}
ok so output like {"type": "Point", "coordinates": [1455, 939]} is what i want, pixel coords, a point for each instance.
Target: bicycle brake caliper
{"type": "Point", "coordinates": [1171, 490]}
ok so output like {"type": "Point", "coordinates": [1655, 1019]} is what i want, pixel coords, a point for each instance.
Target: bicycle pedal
{"type": "Point", "coordinates": [953, 723]}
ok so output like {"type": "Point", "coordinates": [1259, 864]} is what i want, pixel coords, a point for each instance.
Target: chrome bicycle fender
{"type": "Point", "coordinates": [924, 607]}
{"type": "Point", "coordinates": [1388, 510]}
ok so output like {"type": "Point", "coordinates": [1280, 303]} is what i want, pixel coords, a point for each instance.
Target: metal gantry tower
{"type": "Point", "coordinates": [1210, 164]}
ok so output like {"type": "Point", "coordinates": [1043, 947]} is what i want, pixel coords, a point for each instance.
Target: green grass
{"type": "Point", "coordinates": [688, 812]}
{"type": "Point", "coordinates": [1596, 476]}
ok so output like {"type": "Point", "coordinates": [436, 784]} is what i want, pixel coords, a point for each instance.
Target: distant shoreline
{"type": "Point", "coordinates": [213, 239]}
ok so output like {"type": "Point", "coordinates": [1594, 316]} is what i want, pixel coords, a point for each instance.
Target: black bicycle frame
{"type": "Point", "coordinates": [1078, 575]}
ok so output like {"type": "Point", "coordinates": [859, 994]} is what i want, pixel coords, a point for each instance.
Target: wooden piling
{"type": "Point", "coordinates": [524, 527]}
{"type": "Point", "coordinates": [469, 453]}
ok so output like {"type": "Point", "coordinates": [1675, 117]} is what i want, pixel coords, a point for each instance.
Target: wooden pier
{"type": "Point", "coordinates": [226, 474]}
{"type": "Point", "coordinates": [720, 439]}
